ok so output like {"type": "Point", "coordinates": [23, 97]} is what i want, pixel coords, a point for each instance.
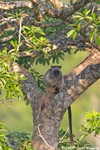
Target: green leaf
{"type": "Point", "coordinates": [57, 60]}
{"type": "Point", "coordinates": [86, 12]}
{"type": "Point", "coordinates": [71, 32]}
{"type": "Point", "coordinates": [88, 18]}
{"type": "Point", "coordinates": [94, 16]}
{"type": "Point", "coordinates": [83, 137]}
{"type": "Point", "coordinates": [98, 40]}
{"type": "Point", "coordinates": [92, 36]}
{"type": "Point", "coordinates": [74, 35]}
{"type": "Point", "coordinates": [53, 59]}
{"type": "Point", "coordinates": [78, 17]}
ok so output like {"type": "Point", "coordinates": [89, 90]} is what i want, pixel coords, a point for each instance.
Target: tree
{"type": "Point", "coordinates": [38, 32]}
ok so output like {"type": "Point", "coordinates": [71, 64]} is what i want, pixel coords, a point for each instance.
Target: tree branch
{"type": "Point", "coordinates": [29, 85]}
{"type": "Point", "coordinates": [56, 10]}
{"type": "Point", "coordinates": [15, 4]}
{"type": "Point", "coordinates": [59, 9]}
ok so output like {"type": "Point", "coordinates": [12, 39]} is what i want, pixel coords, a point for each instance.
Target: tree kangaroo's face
{"type": "Point", "coordinates": [56, 70]}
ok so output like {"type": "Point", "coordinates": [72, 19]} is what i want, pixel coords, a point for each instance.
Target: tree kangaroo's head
{"type": "Point", "coordinates": [56, 70]}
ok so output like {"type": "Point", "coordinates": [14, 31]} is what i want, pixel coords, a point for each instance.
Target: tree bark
{"type": "Point", "coordinates": [48, 109]}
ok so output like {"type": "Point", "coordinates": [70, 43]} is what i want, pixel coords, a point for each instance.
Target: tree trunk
{"type": "Point", "coordinates": [46, 122]}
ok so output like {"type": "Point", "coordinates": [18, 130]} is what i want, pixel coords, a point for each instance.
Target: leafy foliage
{"type": "Point", "coordinates": [19, 140]}
{"type": "Point", "coordinates": [13, 140]}
{"type": "Point", "coordinates": [36, 40]}
{"type": "Point", "coordinates": [64, 142]}
{"type": "Point", "coordinates": [92, 123]}
{"type": "Point", "coordinates": [34, 37]}
{"type": "Point", "coordinates": [86, 23]}
{"type": "Point", "coordinates": [3, 140]}
{"type": "Point", "coordinates": [55, 57]}
{"type": "Point", "coordinates": [8, 80]}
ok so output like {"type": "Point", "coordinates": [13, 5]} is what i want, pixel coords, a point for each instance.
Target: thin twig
{"type": "Point", "coordinates": [5, 103]}
{"type": "Point", "coordinates": [93, 9]}
{"type": "Point", "coordinates": [15, 107]}
{"type": "Point", "coordinates": [19, 35]}
{"type": "Point", "coordinates": [41, 136]}
{"type": "Point", "coordinates": [20, 28]}
{"type": "Point", "coordinates": [26, 39]}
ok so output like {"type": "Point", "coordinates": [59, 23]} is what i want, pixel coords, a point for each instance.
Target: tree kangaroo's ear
{"type": "Point", "coordinates": [60, 67]}
{"type": "Point", "coordinates": [52, 66]}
